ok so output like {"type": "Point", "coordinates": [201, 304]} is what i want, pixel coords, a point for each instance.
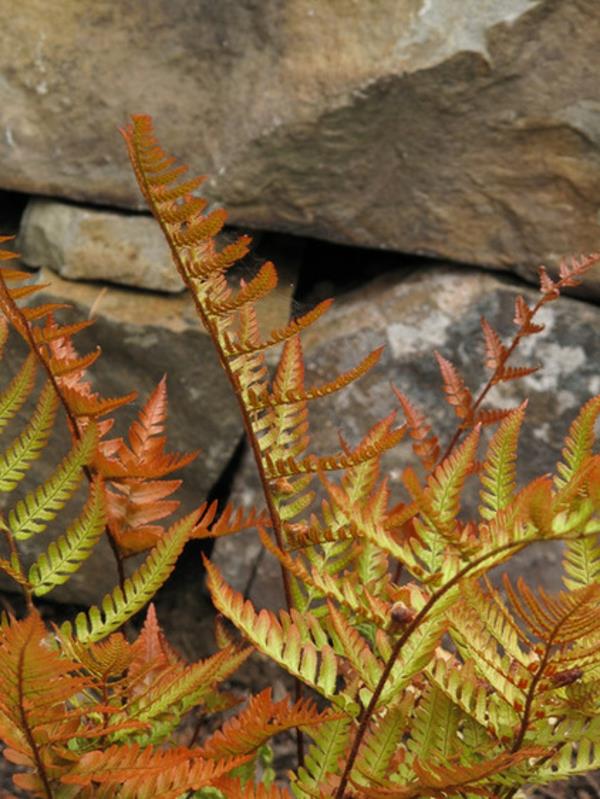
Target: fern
{"type": "Point", "coordinates": [431, 681]}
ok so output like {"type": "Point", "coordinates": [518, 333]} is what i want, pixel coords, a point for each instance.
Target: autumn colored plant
{"type": "Point", "coordinates": [415, 674]}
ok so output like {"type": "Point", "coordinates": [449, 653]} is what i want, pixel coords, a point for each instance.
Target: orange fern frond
{"type": "Point", "coordinates": [425, 445]}
{"type": "Point", "coordinates": [258, 722]}
{"type": "Point", "coordinates": [457, 394]}
{"type": "Point", "coordinates": [130, 770]}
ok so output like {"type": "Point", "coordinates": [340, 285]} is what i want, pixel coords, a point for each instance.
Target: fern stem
{"type": "Point", "coordinates": [389, 665]}
{"type": "Point", "coordinates": [25, 329]}
{"type": "Point", "coordinates": [214, 335]}
{"type": "Point", "coordinates": [519, 335]}
{"type": "Point", "coordinates": [27, 595]}
{"type": "Point", "coordinates": [26, 728]}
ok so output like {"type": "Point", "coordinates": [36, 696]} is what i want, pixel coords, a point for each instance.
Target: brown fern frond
{"type": "Point", "coordinates": [316, 392]}
{"type": "Point", "coordinates": [495, 351]}
{"type": "Point", "coordinates": [130, 770]}
{"type": "Point", "coordinates": [258, 722]}
{"type": "Point", "coordinates": [279, 335]}
{"type": "Point", "coordinates": [515, 373]}
{"type": "Point", "coordinates": [457, 394]}
{"type": "Point", "coordinates": [425, 445]}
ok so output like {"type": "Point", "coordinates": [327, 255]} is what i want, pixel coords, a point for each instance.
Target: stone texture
{"type": "Point", "coordinates": [436, 308]}
{"type": "Point", "coordinates": [83, 243]}
{"type": "Point", "coordinates": [467, 130]}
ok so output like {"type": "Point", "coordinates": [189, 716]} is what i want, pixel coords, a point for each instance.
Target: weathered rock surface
{"type": "Point", "coordinates": [467, 130]}
{"type": "Point", "coordinates": [437, 308]}
{"type": "Point", "coordinates": [83, 243]}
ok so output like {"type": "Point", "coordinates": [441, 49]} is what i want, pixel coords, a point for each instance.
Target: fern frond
{"type": "Point", "coordinates": [31, 514]}
{"type": "Point", "coordinates": [297, 643]}
{"type": "Point", "coordinates": [425, 445]}
{"type": "Point", "coordinates": [323, 758]}
{"type": "Point", "coordinates": [279, 335]}
{"type": "Point", "coordinates": [579, 442]}
{"type": "Point", "coordinates": [498, 477]}
{"type": "Point", "coordinates": [36, 684]}
{"type": "Point", "coordinates": [316, 392]}
{"type": "Point", "coordinates": [17, 391]}
{"type": "Point", "coordinates": [448, 778]}
{"type": "Point", "coordinates": [561, 619]}
{"type": "Point", "coordinates": [581, 561]}
{"type": "Point", "coordinates": [445, 484]}
{"type": "Point", "coordinates": [258, 722]}
{"type": "Point", "coordinates": [63, 557]}
{"type": "Point", "coordinates": [495, 351]}
{"type": "Point", "coordinates": [457, 394]}
{"type": "Point", "coordinates": [28, 446]}
{"type": "Point", "coordinates": [137, 590]}
{"type": "Point", "coordinates": [130, 770]}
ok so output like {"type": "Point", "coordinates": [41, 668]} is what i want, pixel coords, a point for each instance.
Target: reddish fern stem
{"type": "Point", "coordinates": [27, 594]}
{"type": "Point", "coordinates": [71, 419]}
{"type": "Point", "coordinates": [39, 763]}
{"type": "Point", "coordinates": [389, 665]}
{"type": "Point", "coordinates": [518, 742]}
{"type": "Point", "coordinates": [519, 335]}
{"type": "Point", "coordinates": [275, 521]}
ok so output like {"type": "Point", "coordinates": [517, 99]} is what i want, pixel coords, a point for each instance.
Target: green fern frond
{"type": "Point", "coordinates": [323, 758]}
{"type": "Point", "coordinates": [31, 514]}
{"type": "Point", "coordinates": [137, 590]}
{"type": "Point", "coordinates": [435, 724]}
{"type": "Point", "coordinates": [382, 745]}
{"type": "Point", "coordinates": [17, 391]}
{"type": "Point", "coordinates": [498, 477]}
{"type": "Point", "coordinates": [581, 561]}
{"type": "Point", "coordinates": [29, 445]}
{"type": "Point", "coordinates": [63, 557]}
{"type": "Point", "coordinates": [579, 442]}
{"type": "Point", "coordinates": [296, 642]}
{"type": "Point", "coordinates": [446, 482]}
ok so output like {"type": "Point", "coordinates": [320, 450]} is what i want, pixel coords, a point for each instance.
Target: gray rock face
{"type": "Point", "coordinates": [467, 130]}
{"type": "Point", "coordinates": [437, 308]}
{"type": "Point", "coordinates": [82, 243]}
{"type": "Point", "coordinates": [142, 336]}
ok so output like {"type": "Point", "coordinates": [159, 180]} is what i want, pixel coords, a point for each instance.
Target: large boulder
{"type": "Point", "coordinates": [84, 243]}
{"type": "Point", "coordinates": [437, 308]}
{"type": "Point", "coordinates": [468, 130]}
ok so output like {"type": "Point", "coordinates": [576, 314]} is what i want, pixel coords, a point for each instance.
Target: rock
{"type": "Point", "coordinates": [466, 130]}
{"type": "Point", "coordinates": [436, 308]}
{"type": "Point", "coordinates": [82, 243]}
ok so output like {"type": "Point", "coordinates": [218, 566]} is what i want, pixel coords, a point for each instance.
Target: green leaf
{"type": "Point", "coordinates": [498, 479]}
{"type": "Point", "coordinates": [19, 388]}
{"type": "Point", "coordinates": [41, 506]}
{"type": "Point", "coordinates": [29, 444]}
{"type": "Point", "coordinates": [138, 589]}
{"type": "Point", "coordinates": [65, 556]}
